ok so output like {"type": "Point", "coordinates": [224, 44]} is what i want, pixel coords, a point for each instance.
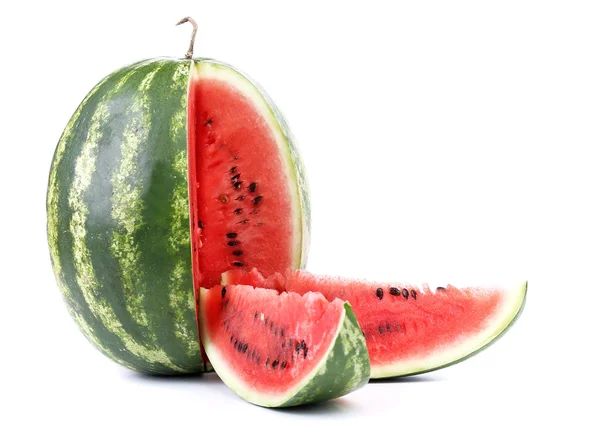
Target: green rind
{"type": "Point", "coordinates": [127, 277]}
{"type": "Point", "coordinates": [493, 337]}
{"type": "Point", "coordinates": [344, 368]}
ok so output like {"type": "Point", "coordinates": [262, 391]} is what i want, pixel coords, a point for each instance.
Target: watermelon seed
{"type": "Point", "coordinates": [245, 348]}
{"type": "Point", "coordinates": [231, 338]}
{"type": "Point", "coordinates": [298, 347]}
{"type": "Point", "coordinates": [413, 293]}
{"type": "Point", "coordinates": [405, 293]}
{"type": "Point", "coordinates": [231, 235]}
{"type": "Point", "coordinates": [283, 345]}
{"type": "Point", "coordinates": [200, 224]}
{"type": "Point", "coordinates": [223, 292]}
{"type": "Point", "coordinates": [233, 169]}
{"type": "Point", "coordinates": [237, 211]}
{"type": "Point", "coordinates": [394, 291]}
{"type": "Point", "coordinates": [237, 253]}
{"type": "Point", "coordinates": [236, 177]}
{"type": "Point", "coordinates": [305, 352]}
{"type": "Point", "coordinates": [283, 364]}
{"type": "Point", "coordinates": [208, 122]}
{"type": "Point", "coordinates": [233, 243]}
{"type": "Point", "coordinates": [236, 263]}
{"type": "Point", "coordinates": [245, 221]}
{"type": "Point", "coordinates": [379, 293]}
{"type": "Point", "coordinates": [223, 198]}
{"type": "Point", "coordinates": [380, 329]}
{"type": "Point", "coordinates": [252, 187]}
{"type": "Point", "coordinates": [275, 364]}
{"type": "Point", "coordinates": [267, 362]}
{"type": "Point", "coordinates": [255, 315]}
{"type": "Point", "coordinates": [441, 288]}
{"type": "Point", "coordinates": [240, 198]}
{"type": "Point", "coordinates": [257, 200]}
{"type": "Point", "coordinates": [388, 327]}
{"type": "Point", "coordinates": [238, 185]}
{"type": "Point", "coordinates": [266, 321]}
{"type": "Point", "coordinates": [276, 330]}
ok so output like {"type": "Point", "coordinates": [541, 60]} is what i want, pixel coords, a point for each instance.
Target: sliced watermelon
{"type": "Point", "coordinates": [282, 350]}
{"type": "Point", "coordinates": [409, 328]}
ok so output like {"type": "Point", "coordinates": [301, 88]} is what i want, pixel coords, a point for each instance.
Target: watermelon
{"type": "Point", "coordinates": [409, 328]}
{"type": "Point", "coordinates": [282, 350]}
{"type": "Point", "coordinates": [170, 172]}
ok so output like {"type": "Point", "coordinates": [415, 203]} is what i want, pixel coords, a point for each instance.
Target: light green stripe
{"type": "Point", "coordinates": [127, 206]}
{"type": "Point", "coordinates": [181, 297]}
{"type": "Point", "coordinates": [85, 167]}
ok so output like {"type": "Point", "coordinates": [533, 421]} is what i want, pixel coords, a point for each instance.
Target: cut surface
{"type": "Point", "coordinates": [244, 195]}
{"type": "Point", "coordinates": [409, 329]}
{"type": "Point", "coordinates": [282, 350]}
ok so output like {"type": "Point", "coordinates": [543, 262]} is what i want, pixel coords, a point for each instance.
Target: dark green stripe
{"type": "Point", "coordinates": [156, 235]}
{"type": "Point", "coordinates": [65, 176]}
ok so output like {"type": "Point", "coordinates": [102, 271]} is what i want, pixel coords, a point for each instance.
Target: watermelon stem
{"type": "Point", "coordinates": [190, 52]}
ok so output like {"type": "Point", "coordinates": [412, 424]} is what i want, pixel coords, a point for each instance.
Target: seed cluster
{"type": "Point", "coordinates": [396, 292]}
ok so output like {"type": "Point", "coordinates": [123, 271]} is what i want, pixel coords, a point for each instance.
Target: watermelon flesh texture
{"type": "Point", "coordinates": [282, 350]}
{"type": "Point", "coordinates": [409, 328]}
{"type": "Point", "coordinates": [243, 197]}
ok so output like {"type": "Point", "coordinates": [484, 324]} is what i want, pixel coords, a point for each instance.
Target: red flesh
{"type": "Point", "coordinates": [395, 328]}
{"type": "Point", "coordinates": [271, 341]}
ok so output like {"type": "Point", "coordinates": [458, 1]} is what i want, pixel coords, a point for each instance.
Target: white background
{"type": "Point", "coordinates": [454, 140]}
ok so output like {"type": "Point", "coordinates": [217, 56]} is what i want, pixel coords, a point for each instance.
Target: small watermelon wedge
{"type": "Point", "coordinates": [409, 328]}
{"type": "Point", "coordinates": [282, 350]}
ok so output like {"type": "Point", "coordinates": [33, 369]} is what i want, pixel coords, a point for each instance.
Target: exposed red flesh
{"type": "Point", "coordinates": [270, 341]}
{"type": "Point", "coordinates": [396, 328]}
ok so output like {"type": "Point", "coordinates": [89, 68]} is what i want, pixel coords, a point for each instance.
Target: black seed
{"type": "Point", "coordinates": [388, 327]}
{"type": "Point", "coordinates": [236, 263]}
{"type": "Point", "coordinates": [283, 364]}
{"type": "Point", "coordinates": [282, 332]}
{"type": "Point", "coordinates": [245, 221]}
{"type": "Point", "coordinates": [275, 364]}
{"type": "Point", "coordinates": [283, 345]}
{"type": "Point", "coordinates": [237, 211]}
{"type": "Point", "coordinates": [208, 122]}
{"type": "Point", "coordinates": [200, 224]}
{"type": "Point", "coordinates": [266, 321]}
{"type": "Point", "coordinates": [413, 294]}
{"type": "Point", "coordinates": [305, 352]}
{"type": "Point", "coordinates": [276, 330]}
{"type": "Point", "coordinates": [303, 344]}
{"type": "Point", "coordinates": [441, 288]}
{"type": "Point", "coordinates": [240, 347]}
{"type": "Point", "coordinates": [380, 329]}
{"type": "Point", "coordinates": [237, 253]}
{"type": "Point", "coordinates": [223, 292]}
{"type": "Point", "coordinates": [394, 291]}
{"type": "Point", "coordinates": [245, 348]}
{"type": "Point", "coordinates": [405, 293]}
{"type": "Point", "coordinates": [235, 178]}
{"type": "Point", "coordinates": [267, 362]}
{"type": "Point", "coordinates": [238, 185]}
{"type": "Point", "coordinates": [235, 343]}
{"type": "Point", "coordinates": [240, 198]}
{"type": "Point", "coordinates": [255, 315]}
{"type": "Point", "coordinates": [231, 235]}
{"type": "Point", "coordinates": [257, 200]}
{"type": "Point", "coordinates": [233, 243]}
{"type": "Point", "coordinates": [233, 169]}
{"type": "Point", "coordinates": [298, 347]}
{"type": "Point", "coordinates": [379, 293]}
{"type": "Point", "coordinates": [252, 187]}
{"type": "Point", "coordinates": [231, 338]}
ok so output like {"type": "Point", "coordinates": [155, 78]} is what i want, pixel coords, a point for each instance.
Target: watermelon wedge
{"type": "Point", "coordinates": [409, 328]}
{"type": "Point", "coordinates": [282, 350]}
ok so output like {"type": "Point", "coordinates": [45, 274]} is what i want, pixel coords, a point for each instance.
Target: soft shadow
{"type": "Point", "coordinates": [410, 379]}
{"type": "Point", "coordinates": [338, 406]}
{"type": "Point", "coordinates": [209, 378]}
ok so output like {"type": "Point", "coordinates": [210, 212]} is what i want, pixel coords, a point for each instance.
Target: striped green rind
{"type": "Point", "coordinates": [118, 219]}
{"type": "Point", "coordinates": [292, 158]}
{"type": "Point", "coordinates": [344, 368]}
